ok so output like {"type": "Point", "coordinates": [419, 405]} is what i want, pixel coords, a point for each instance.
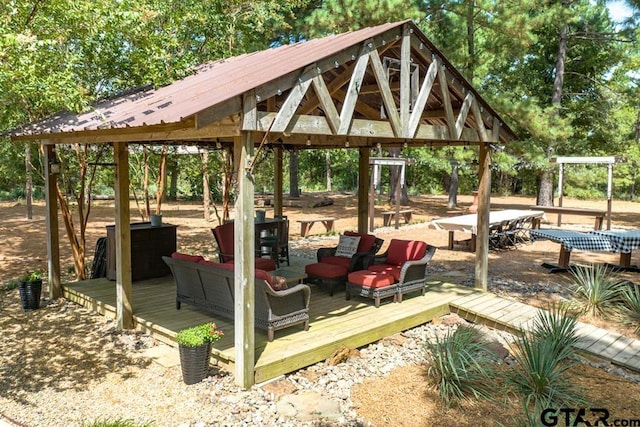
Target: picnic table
{"type": "Point", "coordinates": [623, 241]}
{"type": "Point", "coordinates": [306, 224]}
{"type": "Point", "coordinates": [569, 240]}
{"type": "Point", "coordinates": [599, 214]}
{"type": "Point", "coordinates": [468, 223]}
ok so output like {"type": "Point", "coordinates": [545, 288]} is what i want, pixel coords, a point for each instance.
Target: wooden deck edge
{"type": "Point", "coordinates": [376, 332]}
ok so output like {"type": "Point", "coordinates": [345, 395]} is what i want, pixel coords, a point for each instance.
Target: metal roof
{"type": "Point", "coordinates": [211, 84]}
{"type": "Point", "coordinates": [217, 82]}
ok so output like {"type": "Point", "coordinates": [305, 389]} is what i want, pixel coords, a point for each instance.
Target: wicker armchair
{"type": "Point", "coordinates": [400, 270]}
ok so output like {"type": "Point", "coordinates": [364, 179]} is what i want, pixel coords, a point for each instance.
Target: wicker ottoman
{"type": "Point", "coordinates": [371, 284]}
{"type": "Point", "coordinates": [325, 275]}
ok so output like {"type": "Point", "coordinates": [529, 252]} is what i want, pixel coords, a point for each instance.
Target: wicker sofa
{"type": "Point", "coordinates": [210, 286]}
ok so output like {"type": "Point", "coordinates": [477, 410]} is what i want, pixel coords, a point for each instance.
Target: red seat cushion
{"type": "Point", "coordinates": [400, 251]}
{"type": "Point", "coordinates": [336, 260]}
{"type": "Point", "coordinates": [371, 279]}
{"type": "Point", "coordinates": [393, 270]}
{"type": "Point", "coordinates": [327, 271]}
{"type": "Point", "coordinates": [366, 240]}
{"type": "Point", "coordinates": [266, 264]}
{"type": "Point", "coordinates": [186, 257]}
{"type": "Point", "coordinates": [260, 274]}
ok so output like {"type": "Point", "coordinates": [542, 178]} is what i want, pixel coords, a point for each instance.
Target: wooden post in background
{"type": "Point", "coordinates": [53, 235]}
{"type": "Point", "coordinates": [482, 235]}
{"type": "Point", "coordinates": [124, 311]}
{"type": "Point", "coordinates": [363, 189]}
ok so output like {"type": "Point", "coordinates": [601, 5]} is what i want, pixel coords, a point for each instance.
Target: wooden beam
{"type": "Point", "coordinates": [218, 112]}
{"type": "Point", "coordinates": [421, 100]}
{"type": "Point", "coordinates": [405, 79]}
{"type": "Point", "coordinates": [290, 105]}
{"type": "Point", "coordinates": [249, 111]}
{"type": "Point", "coordinates": [326, 102]}
{"type": "Point", "coordinates": [363, 190]}
{"type": "Point", "coordinates": [278, 181]}
{"type": "Point", "coordinates": [482, 131]}
{"type": "Point", "coordinates": [385, 92]}
{"type": "Point", "coordinates": [464, 112]}
{"type": "Point", "coordinates": [318, 125]}
{"type": "Point", "coordinates": [53, 236]}
{"type": "Point", "coordinates": [446, 102]}
{"type": "Point", "coordinates": [484, 206]}
{"type": "Point", "coordinates": [244, 265]}
{"type": "Point", "coordinates": [346, 113]}
{"type": "Point", "coordinates": [124, 311]}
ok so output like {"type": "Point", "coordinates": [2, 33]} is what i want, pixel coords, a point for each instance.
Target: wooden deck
{"type": "Point", "coordinates": [335, 322]}
{"type": "Point", "coordinates": [502, 313]}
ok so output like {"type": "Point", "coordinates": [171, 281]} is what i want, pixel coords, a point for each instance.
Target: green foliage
{"type": "Point", "coordinates": [631, 304]}
{"type": "Point", "coordinates": [558, 323]}
{"type": "Point", "coordinates": [461, 366]}
{"type": "Point", "coordinates": [117, 422]}
{"type": "Point", "coordinates": [543, 359]}
{"type": "Point", "coordinates": [196, 336]}
{"type": "Point", "coordinates": [31, 276]}
{"type": "Point", "coordinates": [11, 284]}
{"type": "Point", "coordinates": [597, 288]}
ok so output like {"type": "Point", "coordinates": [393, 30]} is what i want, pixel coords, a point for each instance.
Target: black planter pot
{"type": "Point", "coordinates": [194, 362]}
{"type": "Point", "coordinates": [30, 294]}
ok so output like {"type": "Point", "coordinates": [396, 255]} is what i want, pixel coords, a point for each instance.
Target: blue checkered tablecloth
{"type": "Point", "coordinates": [570, 239]}
{"type": "Point", "coordinates": [622, 240]}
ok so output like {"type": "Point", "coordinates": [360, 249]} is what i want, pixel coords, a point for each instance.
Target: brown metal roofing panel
{"type": "Point", "coordinates": [213, 83]}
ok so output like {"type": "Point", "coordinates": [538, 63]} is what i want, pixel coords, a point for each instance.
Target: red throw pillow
{"type": "Point", "coordinates": [187, 257]}
{"type": "Point", "coordinates": [366, 240]}
{"type": "Point", "coordinates": [400, 251]}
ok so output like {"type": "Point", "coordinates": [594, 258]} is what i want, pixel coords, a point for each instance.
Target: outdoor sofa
{"type": "Point", "coordinates": [210, 286]}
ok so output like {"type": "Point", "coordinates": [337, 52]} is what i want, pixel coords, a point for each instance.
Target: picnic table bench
{"type": "Point", "coordinates": [599, 214]}
{"type": "Point", "coordinates": [306, 224]}
{"type": "Point", "coordinates": [389, 215]}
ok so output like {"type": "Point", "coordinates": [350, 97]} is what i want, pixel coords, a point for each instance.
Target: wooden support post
{"type": "Point", "coordinates": [372, 197]}
{"type": "Point", "coordinates": [124, 312]}
{"type": "Point", "coordinates": [560, 190]}
{"type": "Point", "coordinates": [244, 246]}
{"type": "Point", "coordinates": [278, 188]}
{"type": "Point", "coordinates": [363, 193]}
{"type": "Point", "coordinates": [609, 194]}
{"type": "Point", "coordinates": [482, 236]}
{"type": "Point", "coordinates": [53, 237]}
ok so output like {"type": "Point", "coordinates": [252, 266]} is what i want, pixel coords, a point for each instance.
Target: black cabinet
{"type": "Point", "coordinates": [148, 245]}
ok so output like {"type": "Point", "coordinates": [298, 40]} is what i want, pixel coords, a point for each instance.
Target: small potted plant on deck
{"type": "Point", "coordinates": [30, 287]}
{"type": "Point", "coordinates": [194, 344]}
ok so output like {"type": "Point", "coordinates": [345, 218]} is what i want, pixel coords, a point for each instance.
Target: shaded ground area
{"type": "Point", "coordinates": [76, 353]}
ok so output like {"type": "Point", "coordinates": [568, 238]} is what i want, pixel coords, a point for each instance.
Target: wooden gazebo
{"type": "Point", "coordinates": [385, 86]}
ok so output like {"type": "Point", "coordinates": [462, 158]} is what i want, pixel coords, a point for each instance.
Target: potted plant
{"type": "Point", "coordinates": [30, 287]}
{"type": "Point", "coordinates": [194, 344]}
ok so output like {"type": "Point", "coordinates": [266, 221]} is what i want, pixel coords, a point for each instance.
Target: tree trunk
{"type": "Point", "coordinates": [545, 184]}
{"type": "Point", "coordinates": [471, 49]}
{"type": "Point", "coordinates": [394, 174]}
{"type": "Point", "coordinates": [294, 190]}
{"type": "Point", "coordinates": [173, 180]}
{"type": "Point", "coordinates": [545, 189]}
{"type": "Point", "coordinates": [162, 179]}
{"type": "Point", "coordinates": [206, 195]}
{"type": "Point", "coordinates": [227, 181]}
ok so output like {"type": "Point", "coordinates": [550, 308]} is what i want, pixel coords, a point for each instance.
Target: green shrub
{"type": "Point", "coordinates": [631, 305]}
{"type": "Point", "coordinates": [542, 358]}
{"type": "Point", "coordinates": [461, 366]}
{"type": "Point", "coordinates": [198, 335]}
{"type": "Point", "coordinates": [597, 288]}
{"type": "Point", "coordinates": [558, 323]}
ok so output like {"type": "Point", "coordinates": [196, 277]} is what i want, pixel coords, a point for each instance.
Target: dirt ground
{"type": "Point", "coordinates": [23, 247]}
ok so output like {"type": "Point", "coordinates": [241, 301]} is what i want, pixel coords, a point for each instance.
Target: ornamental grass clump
{"type": "Point", "coordinates": [631, 305]}
{"type": "Point", "coordinates": [197, 336]}
{"type": "Point", "coordinates": [543, 357]}
{"type": "Point", "coordinates": [461, 366]}
{"type": "Point", "coordinates": [597, 288]}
